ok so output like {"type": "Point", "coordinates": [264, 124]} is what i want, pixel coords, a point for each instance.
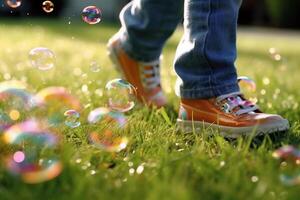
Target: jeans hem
{"type": "Point", "coordinates": [132, 54]}
{"type": "Point", "coordinates": [209, 92]}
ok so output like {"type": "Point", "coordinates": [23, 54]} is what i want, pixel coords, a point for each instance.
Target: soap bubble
{"type": "Point", "coordinates": [247, 83]}
{"type": "Point", "coordinates": [121, 95]}
{"type": "Point", "coordinates": [91, 15]}
{"type": "Point", "coordinates": [37, 161]}
{"type": "Point", "coordinates": [107, 141]}
{"type": "Point", "coordinates": [108, 123]}
{"type": "Point", "coordinates": [54, 101]}
{"type": "Point", "coordinates": [95, 67]}
{"type": "Point", "coordinates": [13, 3]}
{"type": "Point", "coordinates": [288, 153]}
{"type": "Point", "coordinates": [15, 102]}
{"type": "Point", "coordinates": [290, 180]}
{"type": "Point", "coordinates": [102, 114]}
{"type": "Point", "coordinates": [72, 117]}
{"type": "Point", "coordinates": [42, 58]}
{"type": "Point", "coordinates": [48, 6]}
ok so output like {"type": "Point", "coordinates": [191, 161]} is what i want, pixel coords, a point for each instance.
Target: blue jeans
{"type": "Point", "coordinates": [207, 51]}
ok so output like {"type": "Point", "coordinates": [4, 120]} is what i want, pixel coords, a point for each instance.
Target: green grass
{"type": "Point", "coordinates": [177, 165]}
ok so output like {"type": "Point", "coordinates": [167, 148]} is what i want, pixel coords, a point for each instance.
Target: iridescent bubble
{"type": "Point", "coordinates": [107, 122]}
{"type": "Point", "coordinates": [108, 142]}
{"type": "Point", "coordinates": [91, 15]}
{"type": "Point", "coordinates": [42, 58]}
{"type": "Point", "coordinates": [72, 117]}
{"type": "Point", "coordinates": [13, 3]}
{"type": "Point", "coordinates": [121, 95]}
{"type": "Point", "coordinates": [37, 161]}
{"type": "Point", "coordinates": [105, 115]}
{"type": "Point", "coordinates": [290, 180]}
{"type": "Point", "coordinates": [247, 83]}
{"type": "Point", "coordinates": [54, 102]}
{"type": "Point", "coordinates": [15, 102]}
{"type": "Point", "coordinates": [288, 153]}
{"type": "Point", "coordinates": [48, 6]}
{"type": "Point", "coordinates": [95, 67]}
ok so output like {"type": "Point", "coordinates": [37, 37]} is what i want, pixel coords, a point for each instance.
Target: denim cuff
{"type": "Point", "coordinates": [135, 54]}
{"type": "Point", "coordinates": [209, 92]}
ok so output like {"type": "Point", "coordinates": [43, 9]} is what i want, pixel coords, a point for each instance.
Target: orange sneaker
{"type": "Point", "coordinates": [144, 76]}
{"type": "Point", "coordinates": [232, 115]}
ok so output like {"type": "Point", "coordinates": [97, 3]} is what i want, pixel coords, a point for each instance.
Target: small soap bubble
{"type": "Point", "coordinates": [48, 6]}
{"type": "Point", "coordinates": [247, 83]}
{"type": "Point", "coordinates": [121, 95]}
{"type": "Point", "coordinates": [72, 117]}
{"type": "Point", "coordinates": [13, 3]}
{"type": "Point", "coordinates": [91, 15]}
{"type": "Point", "coordinates": [42, 58]}
{"type": "Point", "coordinates": [95, 67]}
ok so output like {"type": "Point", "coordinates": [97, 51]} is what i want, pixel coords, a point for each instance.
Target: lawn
{"type": "Point", "coordinates": [176, 165]}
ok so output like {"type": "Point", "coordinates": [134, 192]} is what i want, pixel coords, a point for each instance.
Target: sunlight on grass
{"type": "Point", "coordinates": [176, 165]}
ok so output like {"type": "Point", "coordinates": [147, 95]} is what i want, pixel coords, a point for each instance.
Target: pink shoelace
{"type": "Point", "coordinates": [236, 104]}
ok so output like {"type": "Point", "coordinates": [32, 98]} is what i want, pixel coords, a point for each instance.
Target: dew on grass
{"type": "Point", "coordinates": [14, 3]}
{"type": "Point", "coordinates": [91, 15]}
{"type": "Point", "coordinates": [140, 169]}
{"type": "Point", "coordinates": [263, 92]}
{"type": "Point", "coordinates": [254, 179]}
{"type": "Point", "coordinates": [266, 81]}
{"type": "Point", "coordinates": [42, 58]}
{"type": "Point", "coordinates": [48, 6]}
{"type": "Point", "coordinates": [93, 172]}
{"type": "Point", "coordinates": [121, 95]}
{"type": "Point", "coordinates": [72, 117]}
{"type": "Point", "coordinates": [131, 171]}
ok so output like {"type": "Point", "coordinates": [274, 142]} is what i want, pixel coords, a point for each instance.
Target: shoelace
{"type": "Point", "coordinates": [236, 104]}
{"type": "Point", "coordinates": [150, 75]}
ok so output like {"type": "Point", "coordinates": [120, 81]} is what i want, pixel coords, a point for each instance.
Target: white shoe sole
{"type": "Point", "coordinates": [232, 132]}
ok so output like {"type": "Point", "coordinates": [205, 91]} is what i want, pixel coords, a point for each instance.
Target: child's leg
{"type": "Point", "coordinates": [207, 52]}
{"type": "Point", "coordinates": [147, 24]}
